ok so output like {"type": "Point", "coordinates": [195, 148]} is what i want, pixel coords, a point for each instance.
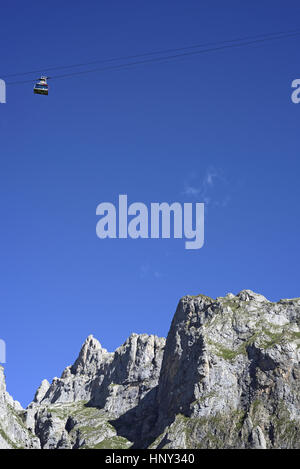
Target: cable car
{"type": "Point", "coordinates": [41, 87]}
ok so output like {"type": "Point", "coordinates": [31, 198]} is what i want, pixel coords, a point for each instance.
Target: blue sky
{"type": "Point", "coordinates": [219, 127]}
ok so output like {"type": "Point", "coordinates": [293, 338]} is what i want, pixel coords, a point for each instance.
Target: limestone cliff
{"type": "Point", "coordinates": [14, 433]}
{"type": "Point", "coordinates": [228, 376]}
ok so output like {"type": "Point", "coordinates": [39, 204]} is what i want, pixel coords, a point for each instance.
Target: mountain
{"type": "Point", "coordinates": [227, 376]}
{"type": "Point", "coordinates": [13, 431]}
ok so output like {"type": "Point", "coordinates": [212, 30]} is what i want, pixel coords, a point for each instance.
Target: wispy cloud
{"type": "Point", "coordinates": [144, 269]}
{"type": "Point", "coordinates": [147, 271]}
{"type": "Point", "coordinates": [211, 188]}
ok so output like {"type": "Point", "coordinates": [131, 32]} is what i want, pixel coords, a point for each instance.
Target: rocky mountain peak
{"type": "Point", "coordinates": [41, 391]}
{"type": "Point", "coordinates": [90, 357]}
{"type": "Point", "coordinates": [228, 376]}
{"type": "Point", "coordinates": [249, 295]}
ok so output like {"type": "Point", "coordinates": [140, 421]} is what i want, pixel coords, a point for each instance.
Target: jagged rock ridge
{"type": "Point", "coordinates": [228, 376]}
{"type": "Point", "coordinates": [98, 388]}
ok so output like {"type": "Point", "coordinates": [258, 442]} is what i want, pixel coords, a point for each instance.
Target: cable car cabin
{"type": "Point", "coordinates": [41, 87]}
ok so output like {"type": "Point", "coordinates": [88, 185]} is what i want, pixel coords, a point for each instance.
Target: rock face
{"type": "Point", "coordinates": [76, 409]}
{"type": "Point", "coordinates": [13, 432]}
{"type": "Point", "coordinates": [228, 376]}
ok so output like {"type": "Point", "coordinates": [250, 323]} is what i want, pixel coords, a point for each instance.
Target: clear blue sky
{"type": "Point", "coordinates": [219, 126]}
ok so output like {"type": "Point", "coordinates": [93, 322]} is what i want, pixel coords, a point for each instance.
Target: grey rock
{"type": "Point", "coordinates": [13, 431]}
{"type": "Point", "coordinates": [40, 394]}
{"type": "Point", "coordinates": [258, 438]}
{"type": "Point", "coordinates": [115, 382]}
{"type": "Point", "coordinates": [227, 360]}
{"type": "Point", "coordinates": [228, 376]}
{"type": "Point", "coordinates": [132, 373]}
